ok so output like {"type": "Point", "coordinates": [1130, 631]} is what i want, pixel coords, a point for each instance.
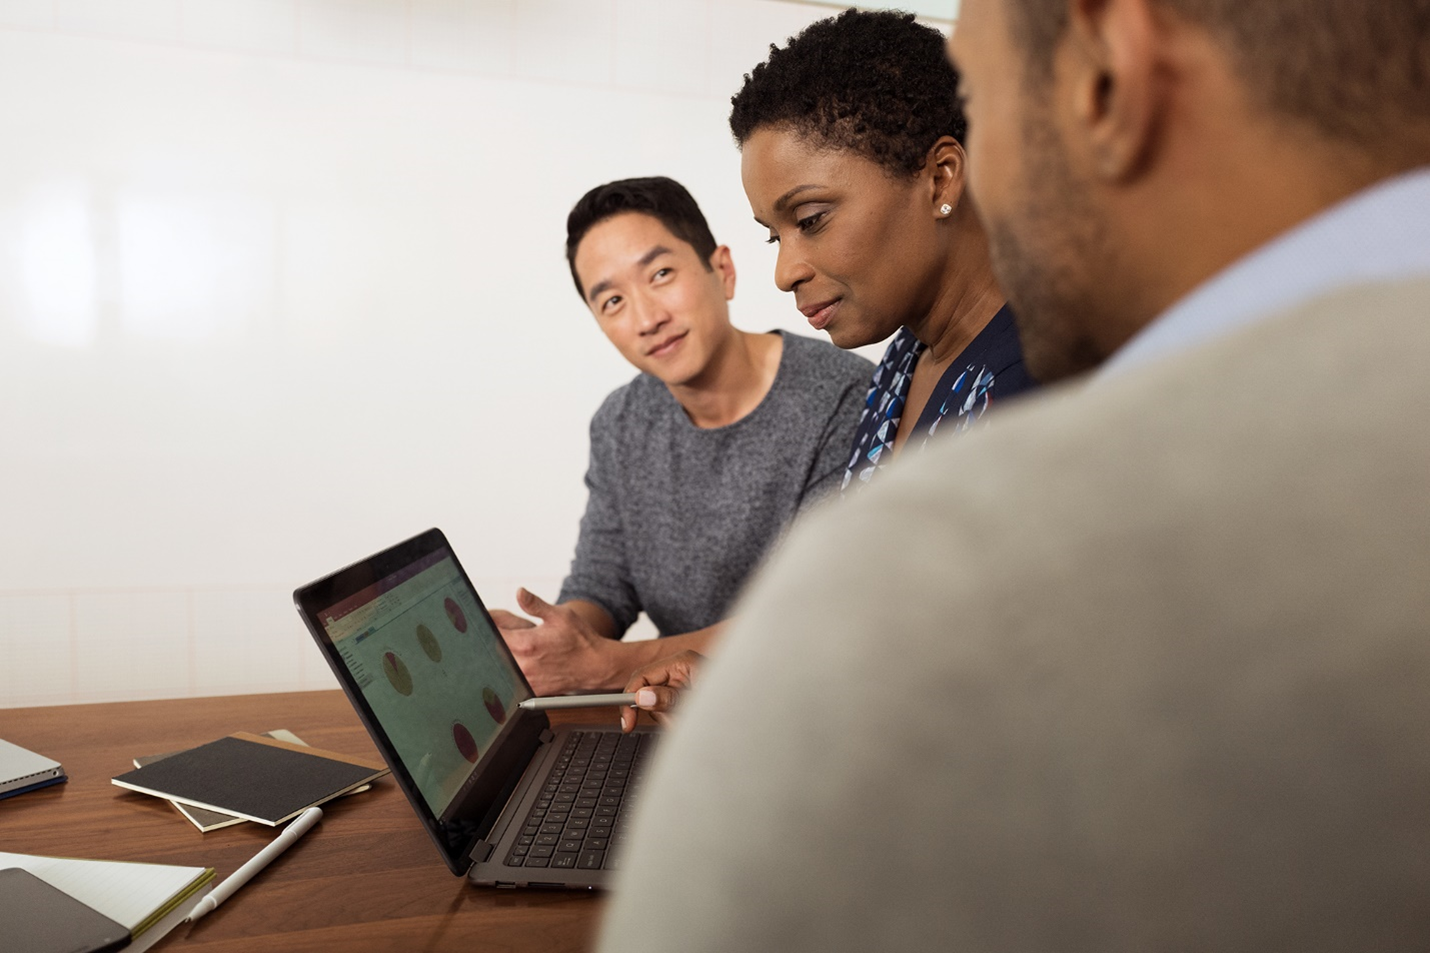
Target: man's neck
{"type": "Point", "coordinates": [737, 379]}
{"type": "Point", "coordinates": [1225, 204]}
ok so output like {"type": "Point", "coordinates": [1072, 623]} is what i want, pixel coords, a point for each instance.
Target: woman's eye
{"type": "Point", "coordinates": [809, 221]}
{"type": "Point", "coordinates": [773, 239]}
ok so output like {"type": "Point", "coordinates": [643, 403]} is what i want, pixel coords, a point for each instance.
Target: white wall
{"type": "Point", "coordinates": [281, 282]}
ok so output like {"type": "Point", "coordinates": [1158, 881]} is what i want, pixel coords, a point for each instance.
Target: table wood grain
{"type": "Point", "coordinates": [367, 878]}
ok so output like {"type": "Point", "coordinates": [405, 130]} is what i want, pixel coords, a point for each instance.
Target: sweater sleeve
{"type": "Point", "coordinates": [831, 458]}
{"type": "Point", "coordinates": [600, 571]}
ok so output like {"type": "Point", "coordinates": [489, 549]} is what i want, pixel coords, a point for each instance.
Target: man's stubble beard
{"type": "Point", "coordinates": [1046, 257]}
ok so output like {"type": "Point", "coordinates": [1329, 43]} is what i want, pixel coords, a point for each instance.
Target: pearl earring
{"type": "Point", "coordinates": [945, 208]}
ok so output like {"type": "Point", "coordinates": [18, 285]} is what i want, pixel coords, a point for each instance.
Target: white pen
{"type": "Point", "coordinates": [578, 701]}
{"type": "Point", "coordinates": [257, 862]}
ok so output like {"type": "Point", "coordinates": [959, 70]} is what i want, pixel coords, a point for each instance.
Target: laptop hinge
{"type": "Point", "coordinates": [480, 851]}
{"type": "Point", "coordinates": [546, 736]}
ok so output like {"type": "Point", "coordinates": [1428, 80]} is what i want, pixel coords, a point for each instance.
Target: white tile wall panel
{"type": "Point", "coordinates": [130, 19]}
{"type": "Point", "coordinates": [34, 14]}
{"type": "Point", "coordinates": [256, 26]}
{"type": "Point", "coordinates": [463, 35]}
{"type": "Point", "coordinates": [132, 644]}
{"type": "Point", "coordinates": [36, 650]}
{"type": "Point", "coordinates": [365, 31]}
{"type": "Point", "coordinates": [663, 46]}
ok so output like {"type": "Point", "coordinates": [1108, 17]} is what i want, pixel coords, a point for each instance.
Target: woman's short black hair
{"type": "Point", "coordinates": [877, 83]}
{"type": "Point", "coordinates": [656, 196]}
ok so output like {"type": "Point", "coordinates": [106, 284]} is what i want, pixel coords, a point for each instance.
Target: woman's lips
{"type": "Point", "coordinates": [819, 315]}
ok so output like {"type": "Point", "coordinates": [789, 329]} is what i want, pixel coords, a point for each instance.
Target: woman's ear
{"type": "Point", "coordinates": [947, 165]}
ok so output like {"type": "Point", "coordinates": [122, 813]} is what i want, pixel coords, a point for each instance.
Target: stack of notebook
{"type": "Point", "coordinates": [246, 777]}
{"type": "Point", "coordinates": [60, 905]}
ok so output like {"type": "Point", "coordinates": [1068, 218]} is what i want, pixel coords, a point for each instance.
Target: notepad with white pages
{"type": "Point", "coordinates": [147, 899]}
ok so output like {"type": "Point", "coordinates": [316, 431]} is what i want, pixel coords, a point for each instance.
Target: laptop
{"type": "Point", "coordinates": [509, 800]}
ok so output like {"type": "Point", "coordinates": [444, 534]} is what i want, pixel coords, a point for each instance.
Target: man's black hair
{"type": "Point", "coordinates": [877, 83]}
{"type": "Point", "coordinates": [657, 196]}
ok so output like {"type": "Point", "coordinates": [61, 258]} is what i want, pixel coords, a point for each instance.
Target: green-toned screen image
{"type": "Point", "coordinates": [445, 688]}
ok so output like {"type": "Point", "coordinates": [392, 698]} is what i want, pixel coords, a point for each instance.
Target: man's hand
{"type": "Point", "coordinates": [658, 686]}
{"type": "Point", "coordinates": [562, 651]}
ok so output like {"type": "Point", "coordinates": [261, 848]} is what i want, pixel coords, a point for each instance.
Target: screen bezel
{"type": "Point", "coordinates": [476, 805]}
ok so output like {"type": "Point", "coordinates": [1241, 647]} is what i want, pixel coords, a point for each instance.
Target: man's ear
{"type": "Point", "coordinates": [949, 165]}
{"type": "Point", "coordinates": [1110, 68]}
{"type": "Point", "coordinates": [723, 265]}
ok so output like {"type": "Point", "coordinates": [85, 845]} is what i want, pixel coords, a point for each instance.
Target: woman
{"type": "Point", "coordinates": [852, 158]}
{"type": "Point", "coordinates": [851, 155]}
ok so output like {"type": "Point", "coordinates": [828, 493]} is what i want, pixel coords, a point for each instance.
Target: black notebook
{"type": "Point", "coordinates": [38, 918]}
{"type": "Point", "coordinates": [258, 779]}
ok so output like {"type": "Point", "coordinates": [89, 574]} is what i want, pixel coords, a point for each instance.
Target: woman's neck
{"type": "Point", "coordinates": [966, 301]}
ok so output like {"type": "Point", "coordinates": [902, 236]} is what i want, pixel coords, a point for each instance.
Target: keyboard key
{"type": "Point", "coordinates": [537, 862]}
{"type": "Point", "coordinates": [564, 860]}
{"type": "Point", "coordinates": [597, 843]}
{"type": "Point", "coordinates": [592, 859]}
{"type": "Point", "coordinates": [542, 851]}
{"type": "Point", "coordinates": [548, 840]}
{"type": "Point", "coordinates": [572, 844]}
{"type": "Point", "coordinates": [552, 828]}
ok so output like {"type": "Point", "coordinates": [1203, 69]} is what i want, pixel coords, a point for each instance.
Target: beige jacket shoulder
{"type": "Point", "coordinates": [1146, 666]}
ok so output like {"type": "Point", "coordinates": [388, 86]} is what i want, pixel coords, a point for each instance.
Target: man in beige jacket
{"type": "Point", "coordinates": [1153, 676]}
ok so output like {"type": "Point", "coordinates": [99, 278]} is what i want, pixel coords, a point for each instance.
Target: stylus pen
{"type": "Point", "coordinates": [578, 701]}
{"type": "Point", "coordinates": [257, 862]}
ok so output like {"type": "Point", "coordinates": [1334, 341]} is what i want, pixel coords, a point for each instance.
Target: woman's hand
{"type": "Point", "coordinates": [658, 686]}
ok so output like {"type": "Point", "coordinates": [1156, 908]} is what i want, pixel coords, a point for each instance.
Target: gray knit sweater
{"type": "Point", "coordinates": [678, 516]}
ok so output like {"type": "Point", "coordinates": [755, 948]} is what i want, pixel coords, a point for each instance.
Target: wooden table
{"type": "Point", "coordinates": [368, 878]}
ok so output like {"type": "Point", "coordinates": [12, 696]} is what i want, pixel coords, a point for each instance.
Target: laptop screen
{"type": "Point", "coordinates": [419, 647]}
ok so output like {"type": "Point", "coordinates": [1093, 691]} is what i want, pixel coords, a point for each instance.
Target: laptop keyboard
{"type": "Point", "coordinates": [578, 819]}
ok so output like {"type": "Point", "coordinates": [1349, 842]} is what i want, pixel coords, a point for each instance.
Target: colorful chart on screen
{"type": "Point", "coordinates": [455, 615]}
{"type": "Point", "coordinates": [494, 705]}
{"type": "Point", "coordinates": [429, 643]}
{"type": "Point", "coordinates": [397, 673]}
{"type": "Point", "coordinates": [444, 695]}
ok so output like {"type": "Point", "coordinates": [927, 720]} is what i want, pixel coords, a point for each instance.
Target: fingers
{"type": "Point", "coordinates": [509, 620]}
{"type": "Point", "coordinates": [533, 605]}
{"type": "Point", "coordinates": [655, 699]}
{"type": "Point", "coordinates": [678, 670]}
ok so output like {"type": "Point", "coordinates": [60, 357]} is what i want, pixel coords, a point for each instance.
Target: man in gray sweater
{"type": "Point", "coordinates": [699, 462]}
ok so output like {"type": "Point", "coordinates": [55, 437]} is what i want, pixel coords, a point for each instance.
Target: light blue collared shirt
{"type": "Point", "coordinates": [1379, 234]}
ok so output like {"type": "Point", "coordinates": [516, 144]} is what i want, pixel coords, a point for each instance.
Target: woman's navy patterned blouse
{"type": "Point", "coordinates": [991, 366]}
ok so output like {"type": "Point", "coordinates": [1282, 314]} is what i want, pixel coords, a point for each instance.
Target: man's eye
{"type": "Point", "coordinates": [610, 302]}
{"type": "Point", "coordinates": [661, 273]}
